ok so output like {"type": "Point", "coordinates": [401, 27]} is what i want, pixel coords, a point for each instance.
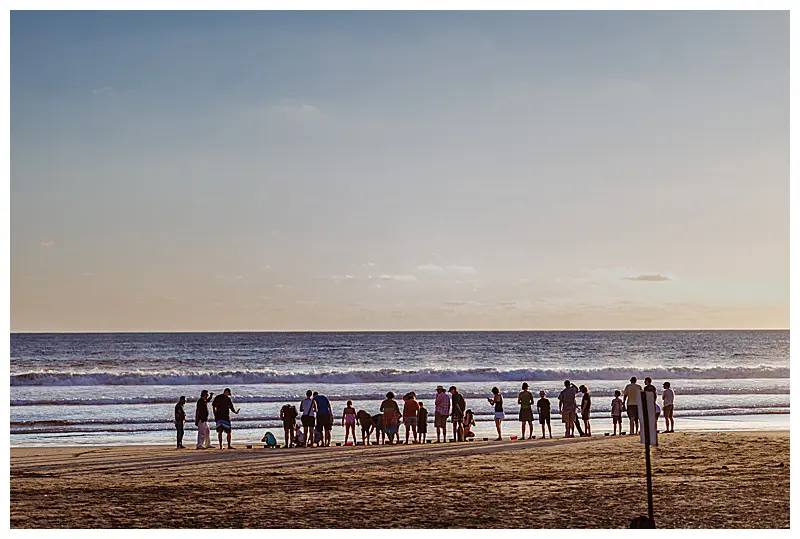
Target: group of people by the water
{"type": "Point", "coordinates": [317, 417]}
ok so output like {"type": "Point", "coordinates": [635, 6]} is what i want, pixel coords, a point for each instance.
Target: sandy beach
{"type": "Point", "coordinates": [701, 480]}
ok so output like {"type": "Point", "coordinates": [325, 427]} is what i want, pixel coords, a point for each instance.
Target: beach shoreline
{"type": "Point", "coordinates": [701, 479]}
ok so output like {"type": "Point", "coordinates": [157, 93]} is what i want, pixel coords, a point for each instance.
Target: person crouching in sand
{"type": "Point", "coordinates": [543, 408]}
{"type": "Point", "coordinates": [349, 421]}
{"type": "Point", "coordinates": [367, 426]}
{"type": "Point", "coordinates": [616, 411]}
{"type": "Point", "coordinates": [422, 424]}
{"type": "Point", "coordinates": [223, 406]}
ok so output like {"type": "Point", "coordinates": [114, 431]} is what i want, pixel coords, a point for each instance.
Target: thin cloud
{"type": "Point", "coordinates": [648, 278]}
{"type": "Point", "coordinates": [404, 278]}
{"type": "Point", "coordinates": [266, 267]}
{"type": "Point", "coordinates": [47, 244]}
{"type": "Point", "coordinates": [102, 90]}
{"type": "Point", "coordinates": [431, 267]}
{"type": "Point", "coordinates": [463, 270]}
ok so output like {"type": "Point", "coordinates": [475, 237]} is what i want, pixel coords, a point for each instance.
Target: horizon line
{"type": "Point", "coordinates": [529, 330]}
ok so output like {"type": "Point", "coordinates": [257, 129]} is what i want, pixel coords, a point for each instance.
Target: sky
{"type": "Point", "coordinates": [183, 171]}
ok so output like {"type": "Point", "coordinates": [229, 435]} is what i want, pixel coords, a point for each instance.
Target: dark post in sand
{"type": "Point", "coordinates": [649, 436]}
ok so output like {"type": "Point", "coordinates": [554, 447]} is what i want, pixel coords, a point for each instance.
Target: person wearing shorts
{"type": "Point", "coordinates": [324, 418]}
{"type": "Point", "coordinates": [543, 407]}
{"type": "Point", "coordinates": [288, 416]}
{"type": "Point", "coordinates": [410, 411]}
{"type": "Point", "coordinates": [630, 400]}
{"type": "Point", "coordinates": [459, 407]}
{"type": "Point", "coordinates": [223, 406]}
{"type": "Point", "coordinates": [617, 407]}
{"type": "Point", "coordinates": [668, 399]}
{"type": "Point", "coordinates": [441, 413]}
{"type": "Point", "coordinates": [567, 407]}
{"type": "Point", "coordinates": [525, 401]}
{"type": "Point", "coordinates": [496, 400]}
{"type": "Point", "coordinates": [391, 417]}
{"type": "Point", "coordinates": [349, 421]}
{"type": "Point", "coordinates": [309, 410]}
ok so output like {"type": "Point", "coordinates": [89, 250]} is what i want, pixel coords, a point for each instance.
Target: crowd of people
{"type": "Point", "coordinates": [317, 417]}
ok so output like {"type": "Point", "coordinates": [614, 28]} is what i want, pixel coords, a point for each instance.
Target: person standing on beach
{"type": "Point", "coordinates": [497, 400]}
{"type": "Point", "coordinates": [525, 401]}
{"type": "Point", "coordinates": [459, 407]}
{"type": "Point", "coordinates": [648, 385]}
{"type": "Point", "coordinates": [441, 412]}
{"type": "Point", "coordinates": [180, 419]}
{"type": "Point", "coordinates": [616, 411]}
{"type": "Point", "coordinates": [201, 420]}
{"type": "Point", "coordinates": [410, 412]}
{"type": "Point", "coordinates": [543, 407]}
{"type": "Point", "coordinates": [223, 406]}
{"type": "Point", "coordinates": [422, 424]}
{"type": "Point", "coordinates": [391, 418]}
{"type": "Point", "coordinates": [349, 421]}
{"type": "Point", "coordinates": [308, 409]}
{"type": "Point", "coordinates": [324, 418]}
{"type": "Point", "coordinates": [586, 406]}
{"type": "Point", "coordinates": [630, 400]}
{"type": "Point", "coordinates": [289, 417]}
{"type": "Point", "coordinates": [566, 406]}
{"type": "Point", "coordinates": [668, 399]}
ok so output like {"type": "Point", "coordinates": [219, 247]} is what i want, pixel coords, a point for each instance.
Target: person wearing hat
{"type": "Point", "coordinates": [441, 413]}
{"type": "Point", "coordinates": [180, 419]}
{"type": "Point", "coordinates": [201, 420]}
{"type": "Point", "coordinates": [459, 408]}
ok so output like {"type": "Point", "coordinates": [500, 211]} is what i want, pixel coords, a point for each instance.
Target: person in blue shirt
{"type": "Point", "coordinates": [324, 418]}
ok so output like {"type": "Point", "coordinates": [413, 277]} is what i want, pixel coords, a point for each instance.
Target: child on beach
{"type": "Point", "coordinates": [298, 436]}
{"type": "Point", "coordinates": [349, 421]}
{"type": "Point", "coordinates": [616, 411]}
{"type": "Point", "coordinates": [365, 420]}
{"type": "Point", "coordinates": [543, 408]}
{"type": "Point", "coordinates": [422, 424]}
{"type": "Point", "coordinates": [270, 440]}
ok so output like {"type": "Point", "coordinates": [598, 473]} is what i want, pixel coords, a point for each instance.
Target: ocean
{"type": "Point", "coordinates": [121, 388]}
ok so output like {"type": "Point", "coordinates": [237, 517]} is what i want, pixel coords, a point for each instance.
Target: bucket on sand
{"type": "Point", "coordinates": [513, 437]}
{"type": "Point", "coordinates": [349, 443]}
{"type": "Point", "coordinates": [249, 447]}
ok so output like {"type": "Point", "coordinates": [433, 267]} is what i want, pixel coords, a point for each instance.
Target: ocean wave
{"type": "Point", "coordinates": [139, 378]}
{"type": "Point", "coordinates": [296, 398]}
{"type": "Point", "coordinates": [267, 423]}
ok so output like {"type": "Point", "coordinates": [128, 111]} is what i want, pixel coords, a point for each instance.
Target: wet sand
{"type": "Point", "coordinates": [701, 480]}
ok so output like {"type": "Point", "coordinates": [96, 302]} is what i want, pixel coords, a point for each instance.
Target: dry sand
{"type": "Point", "coordinates": [701, 480]}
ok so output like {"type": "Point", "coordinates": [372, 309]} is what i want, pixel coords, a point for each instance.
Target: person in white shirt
{"type": "Point", "coordinates": [309, 410]}
{"type": "Point", "coordinates": [631, 401]}
{"type": "Point", "coordinates": [668, 398]}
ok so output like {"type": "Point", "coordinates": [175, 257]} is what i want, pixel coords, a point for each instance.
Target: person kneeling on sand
{"type": "Point", "coordinates": [469, 421]}
{"type": "Point", "coordinates": [269, 440]}
{"type": "Point", "coordinates": [223, 406]}
{"type": "Point", "coordinates": [298, 436]}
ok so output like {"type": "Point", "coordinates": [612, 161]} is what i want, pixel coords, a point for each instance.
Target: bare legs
{"type": "Point", "coordinates": [498, 424]}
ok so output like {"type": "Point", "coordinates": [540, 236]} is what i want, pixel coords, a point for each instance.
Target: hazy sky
{"type": "Point", "coordinates": [224, 171]}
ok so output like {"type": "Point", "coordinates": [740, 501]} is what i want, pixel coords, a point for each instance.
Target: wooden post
{"type": "Point", "coordinates": [646, 427]}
